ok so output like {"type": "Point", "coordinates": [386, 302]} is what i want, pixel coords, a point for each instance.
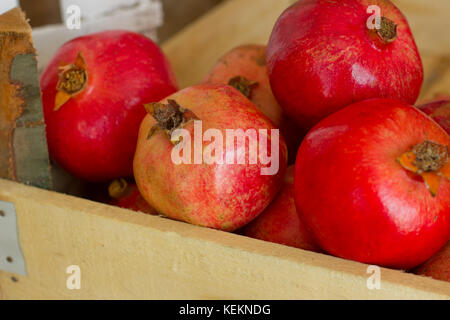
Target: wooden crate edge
{"type": "Point", "coordinates": [58, 230]}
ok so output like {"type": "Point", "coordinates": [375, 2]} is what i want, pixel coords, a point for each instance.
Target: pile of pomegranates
{"type": "Point", "coordinates": [334, 91]}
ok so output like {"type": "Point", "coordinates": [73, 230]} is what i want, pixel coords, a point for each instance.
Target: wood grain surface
{"type": "Point", "coordinates": [128, 255]}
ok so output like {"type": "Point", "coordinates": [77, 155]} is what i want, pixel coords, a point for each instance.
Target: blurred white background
{"type": "Point", "coordinates": [6, 5]}
{"type": "Point", "coordinates": [158, 19]}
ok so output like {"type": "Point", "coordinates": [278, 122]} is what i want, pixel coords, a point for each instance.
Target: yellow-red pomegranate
{"type": "Point", "coordinates": [186, 170]}
{"type": "Point", "coordinates": [245, 68]}
{"type": "Point", "coordinates": [280, 222]}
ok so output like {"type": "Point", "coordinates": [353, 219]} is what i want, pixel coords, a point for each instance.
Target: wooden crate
{"type": "Point", "coordinates": [123, 254]}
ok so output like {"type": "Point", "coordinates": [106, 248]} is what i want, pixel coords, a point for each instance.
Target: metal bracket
{"type": "Point", "coordinates": [11, 257]}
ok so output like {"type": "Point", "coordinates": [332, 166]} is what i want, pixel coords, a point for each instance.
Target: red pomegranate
{"type": "Point", "coordinates": [126, 195]}
{"type": "Point", "coordinates": [280, 222]}
{"type": "Point", "coordinates": [438, 267]}
{"type": "Point", "coordinates": [324, 55]}
{"type": "Point", "coordinates": [245, 69]}
{"type": "Point", "coordinates": [190, 166]}
{"type": "Point", "coordinates": [372, 184]}
{"type": "Point", "coordinates": [439, 110]}
{"type": "Point", "coordinates": [93, 93]}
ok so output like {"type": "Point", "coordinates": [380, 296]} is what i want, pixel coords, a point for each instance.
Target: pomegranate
{"type": "Point", "coordinates": [126, 195]}
{"type": "Point", "coordinates": [280, 222]}
{"type": "Point", "coordinates": [185, 169]}
{"type": "Point", "coordinates": [439, 110]}
{"type": "Point", "coordinates": [372, 184]}
{"type": "Point", "coordinates": [93, 93]}
{"type": "Point", "coordinates": [324, 55]}
{"type": "Point", "coordinates": [245, 69]}
{"type": "Point", "coordinates": [438, 267]}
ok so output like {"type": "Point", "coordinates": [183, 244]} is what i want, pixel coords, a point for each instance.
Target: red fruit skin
{"type": "Point", "coordinates": [438, 267]}
{"type": "Point", "coordinates": [249, 61]}
{"type": "Point", "coordinates": [219, 196]}
{"type": "Point", "coordinates": [133, 200]}
{"type": "Point", "coordinates": [280, 222]}
{"type": "Point", "coordinates": [439, 111]}
{"type": "Point", "coordinates": [322, 57]}
{"type": "Point", "coordinates": [354, 196]}
{"type": "Point", "coordinates": [93, 136]}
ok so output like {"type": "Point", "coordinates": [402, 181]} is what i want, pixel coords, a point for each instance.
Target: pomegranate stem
{"type": "Point", "coordinates": [72, 80]}
{"type": "Point", "coordinates": [388, 30]}
{"type": "Point", "coordinates": [242, 84]}
{"type": "Point", "coordinates": [169, 116]}
{"type": "Point", "coordinates": [430, 160]}
{"type": "Point", "coordinates": [118, 188]}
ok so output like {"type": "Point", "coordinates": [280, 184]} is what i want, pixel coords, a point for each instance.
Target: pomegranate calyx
{"type": "Point", "coordinates": [169, 117]}
{"type": "Point", "coordinates": [118, 189]}
{"type": "Point", "coordinates": [388, 30]}
{"type": "Point", "coordinates": [430, 160]}
{"type": "Point", "coordinates": [430, 156]}
{"type": "Point", "coordinates": [72, 80]}
{"type": "Point", "coordinates": [244, 85]}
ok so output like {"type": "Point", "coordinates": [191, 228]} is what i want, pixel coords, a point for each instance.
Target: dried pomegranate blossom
{"type": "Point", "coordinates": [169, 117]}
{"type": "Point", "coordinates": [119, 188]}
{"type": "Point", "coordinates": [430, 160]}
{"type": "Point", "coordinates": [73, 79]}
{"type": "Point", "coordinates": [430, 156]}
{"type": "Point", "coordinates": [244, 85]}
{"type": "Point", "coordinates": [388, 30]}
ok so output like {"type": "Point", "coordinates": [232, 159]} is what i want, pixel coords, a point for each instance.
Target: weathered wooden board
{"type": "Point", "coordinates": [122, 254]}
{"type": "Point", "coordinates": [23, 146]}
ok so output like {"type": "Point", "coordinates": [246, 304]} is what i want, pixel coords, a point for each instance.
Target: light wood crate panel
{"type": "Point", "coordinates": [128, 255]}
